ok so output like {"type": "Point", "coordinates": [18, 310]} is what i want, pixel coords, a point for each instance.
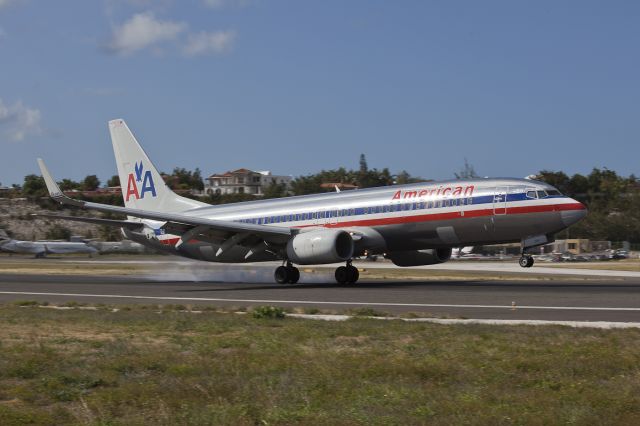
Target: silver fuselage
{"type": "Point", "coordinates": [395, 218]}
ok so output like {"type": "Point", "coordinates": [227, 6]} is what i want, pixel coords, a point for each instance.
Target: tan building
{"type": "Point", "coordinates": [577, 246]}
{"type": "Point", "coordinates": [243, 181]}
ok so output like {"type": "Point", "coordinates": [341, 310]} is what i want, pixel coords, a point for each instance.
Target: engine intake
{"type": "Point", "coordinates": [321, 246]}
{"type": "Point", "coordinates": [420, 257]}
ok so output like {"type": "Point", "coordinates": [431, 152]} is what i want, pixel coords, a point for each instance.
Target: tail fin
{"type": "Point", "coordinates": [3, 235]}
{"type": "Point", "coordinates": [142, 186]}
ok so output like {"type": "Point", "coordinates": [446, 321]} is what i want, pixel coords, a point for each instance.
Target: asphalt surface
{"type": "Point", "coordinates": [562, 300]}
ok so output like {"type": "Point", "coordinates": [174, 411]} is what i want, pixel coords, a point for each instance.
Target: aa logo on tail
{"type": "Point", "coordinates": [143, 178]}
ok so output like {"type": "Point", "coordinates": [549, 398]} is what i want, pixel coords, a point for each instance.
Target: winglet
{"type": "Point", "coordinates": [53, 188]}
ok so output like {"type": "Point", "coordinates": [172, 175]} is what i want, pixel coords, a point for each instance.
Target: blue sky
{"type": "Point", "coordinates": [298, 86]}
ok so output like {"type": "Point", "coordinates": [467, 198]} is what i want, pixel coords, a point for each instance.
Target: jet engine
{"type": "Point", "coordinates": [321, 246]}
{"type": "Point", "coordinates": [420, 257]}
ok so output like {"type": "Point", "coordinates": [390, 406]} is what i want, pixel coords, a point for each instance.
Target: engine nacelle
{"type": "Point", "coordinates": [420, 257]}
{"type": "Point", "coordinates": [321, 246]}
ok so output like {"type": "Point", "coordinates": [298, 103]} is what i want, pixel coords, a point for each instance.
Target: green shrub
{"type": "Point", "coordinates": [25, 303]}
{"type": "Point", "coordinates": [367, 312]}
{"type": "Point", "coordinates": [268, 312]}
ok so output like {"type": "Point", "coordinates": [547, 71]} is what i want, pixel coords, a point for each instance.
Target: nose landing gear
{"type": "Point", "coordinates": [526, 261]}
{"type": "Point", "coordinates": [288, 274]}
{"type": "Point", "coordinates": [347, 274]}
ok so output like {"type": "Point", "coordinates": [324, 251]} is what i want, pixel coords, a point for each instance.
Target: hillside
{"type": "Point", "coordinates": [16, 219]}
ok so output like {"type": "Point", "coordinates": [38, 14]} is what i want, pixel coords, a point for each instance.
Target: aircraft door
{"type": "Point", "coordinates": [333, 218]}
{"type": "Point", "coordinates": [500, 201]}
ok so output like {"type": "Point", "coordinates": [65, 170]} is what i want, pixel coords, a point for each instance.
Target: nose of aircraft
{"type": "Point", "coordinates": [569, 217]}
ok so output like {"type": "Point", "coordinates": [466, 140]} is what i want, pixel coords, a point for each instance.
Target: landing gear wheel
{"type": "Point", "coordinates": [342, 275]}
{"type": "Point", "coordinates": [526, 261]}
{"type": "Point", "coordinates": [281, 275]}
{"type": "Point", "coordinates": [352, 274]}
{"type": "Point", "coordinates": [347, 274]}
{"type": "Point", "coordinates": [293, 274]}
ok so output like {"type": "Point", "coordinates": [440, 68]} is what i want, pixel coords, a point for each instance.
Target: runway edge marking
{"type": "Point", "coordinates": [313, 302]}
{"type": "Point", "coordinates": [453, 321]}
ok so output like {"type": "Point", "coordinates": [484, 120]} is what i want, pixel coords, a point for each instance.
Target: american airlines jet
{"type": "Point", "coordinates": [411, 225]}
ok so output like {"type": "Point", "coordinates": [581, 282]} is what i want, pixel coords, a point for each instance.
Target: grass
{"type": "Point", "coordinates": [147, 365]}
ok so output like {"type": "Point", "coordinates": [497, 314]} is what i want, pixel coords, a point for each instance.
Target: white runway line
{"type": "Point", "coordinates": [322, 302]}
{"type": "Point", "coordinates": [576, 324]}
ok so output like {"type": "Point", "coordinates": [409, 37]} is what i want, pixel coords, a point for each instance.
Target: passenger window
{"type": "Point", "coordinates": [469, 200]}
{"type": "Point", "coordinates": [462, 201]}
{"type": "Point", "coordinates": [438, 204]}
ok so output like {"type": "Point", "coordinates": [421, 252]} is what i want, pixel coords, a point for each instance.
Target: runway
{"type": "Point", "coordinates": [594, 300]}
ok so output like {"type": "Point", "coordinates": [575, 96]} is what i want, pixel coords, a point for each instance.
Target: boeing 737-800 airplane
{"type": "Point", "coordinates": [411, 225]}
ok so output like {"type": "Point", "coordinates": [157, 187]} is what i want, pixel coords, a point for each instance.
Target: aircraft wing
{"type": "Point", "coordinates": [271, 233]}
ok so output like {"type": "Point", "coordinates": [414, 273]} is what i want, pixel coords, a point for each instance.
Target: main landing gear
{"type": "Point", "coordinates": [287, 274]}
{"type": "Point", "coordinates": [526, 261]}
{"type": "Point", "coordinates": [347, 274]}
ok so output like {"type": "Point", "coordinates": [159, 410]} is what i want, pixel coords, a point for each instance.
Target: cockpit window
{"type": "Point", "coordinates": [531, 194]}
{"type": "Point", "coordinates": [553, 192]}
{"type": "Point", "coordinates": [542, 194]}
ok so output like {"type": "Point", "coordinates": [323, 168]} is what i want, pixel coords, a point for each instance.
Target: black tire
{"type": "Point", "coordinates": [524, 262]}
{"type": "Point", "coordinates": [352, 274]}
{"type": "Point", "coordinates": [342, 275]}
{"type": "Point", "coordinates": [281, 275]}
{"type": "Point", "coordinates": [294, 275]}
{"type": "Point", "coordinates": [530, 262]}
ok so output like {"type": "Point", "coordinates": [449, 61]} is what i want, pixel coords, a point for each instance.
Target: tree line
{"type": "Point", "coordinates": [613, 202]}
